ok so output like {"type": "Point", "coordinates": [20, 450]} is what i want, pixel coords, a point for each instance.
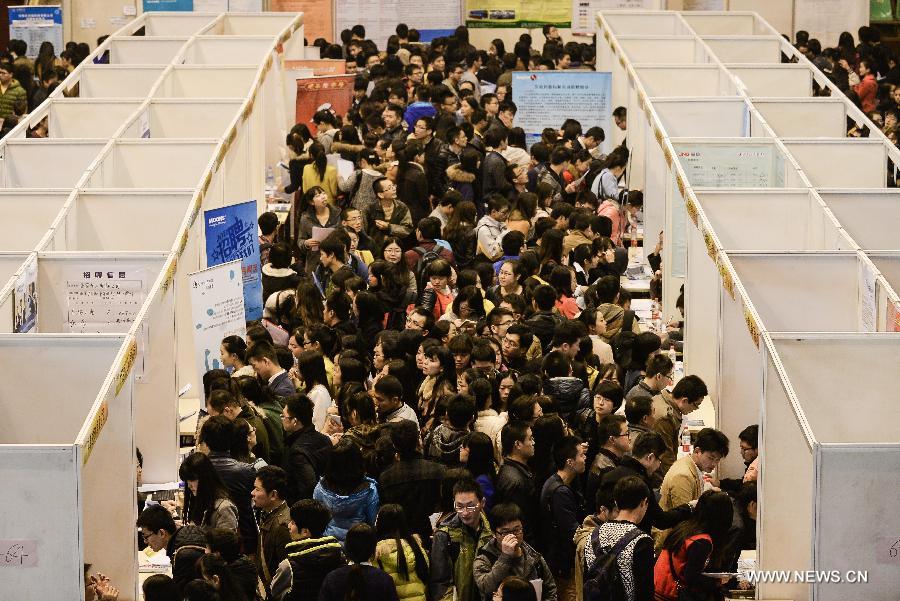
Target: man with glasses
{"type": "Point", "coordinates": [457, 540]}
{"type": "Point", "coordinates": [671, 409]}
{"type": "Point", "coordinates": [184, 545]}
{"type": "Point", "coordinates": [492, 227]}
{"type": "Point", "coordinates": [507, 554]}
{"type": "Point", "coordinates": [748, 442]}
{"type": "Point", "coordinates": [688, 477]}
{"type": "Point", "coordinates": [657, 375]}
{"type": "Point", "coordinates": [305, 450]}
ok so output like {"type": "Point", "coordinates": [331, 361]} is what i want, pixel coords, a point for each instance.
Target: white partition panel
{"type": "Point", "coordinates": [795, 220]}
{"type": "Point", "coordinates": [703, 117]}
{"type": "Point", "coordinates": [757, 49]}
{"type": "Point", "coordinates": [84, 118]}
{"type": "Point", "coordinates": [644, 24]}
{"type": "Point", "coordinates": [172, 24]}
{"type": "Point", "coordinates": [153, 164]}
{"type": "Point", "coordinates": [784, 524]}
{"type": "Point", "coordinates": [773, 80]}
{"type": "Point", "coordinates": [701, 311]}
{"type": "Point", "coordinates": [185, 119]}
{"type": "Point", "coordinates": [672, 49]}
{"type": "Point", "coordinates": [26, 217]}
{"type": "Point", "coordinates": [192, 81]}
{"type": "Point", "coordinates": [868, 216]}
{"type": "Point", "coordinates": [125, 220]}
{"type": "Point", "coordinates": [850, 477]}
{"type": "Point", "coordinates": [62, 307]}
{"type": "Point", "coordinates": [46, 163]}
{"type": "Point", "coordinates": [213, 50]}
{"type": "Point", "coordinates": [269, 24]}
{"type": "Point", "coordinates": [849, 163]}
{"type": "Point", "coordinates": [804, 117]}
{"type": "Point", "coordinates": [720, 24]}
{"type": "Point", "coordinates": [802, 292]}
{"type": "Point", "coordinates": [889, 266]}
{"type": "Point", "coordinates": [117, 81]}
{"type": "Point", "coordinates": [682, 80]}
{"type": "Point", "coordinates": [144, 51]}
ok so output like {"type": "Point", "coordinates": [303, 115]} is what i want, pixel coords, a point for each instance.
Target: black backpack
{"type": "Point", "coordinates": [602, 580]}
{"type": "Point", "coordinates": [624, 342]}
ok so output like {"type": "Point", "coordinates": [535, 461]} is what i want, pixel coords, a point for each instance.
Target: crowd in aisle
{"type": "Point", "coordinates": [450, 395]}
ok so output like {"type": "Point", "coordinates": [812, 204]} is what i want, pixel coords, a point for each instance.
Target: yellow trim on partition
{"type": "Point", "coordinates": [94, 433]}
{"type": "Point", "coordinates": [127, 365]}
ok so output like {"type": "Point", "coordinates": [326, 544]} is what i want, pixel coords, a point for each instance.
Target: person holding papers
{"type": "Point", "coordinates": [318, 219]}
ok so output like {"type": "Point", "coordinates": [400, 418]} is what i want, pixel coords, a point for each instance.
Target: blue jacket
{"type": "Point", "coordinates": [347, 510]}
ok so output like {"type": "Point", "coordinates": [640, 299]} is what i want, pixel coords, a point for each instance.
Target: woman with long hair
{"type": "Point", "coordinates": [468, 306]}
{"type": "Point", "coordinates": [311, 367]}
{"type": "Point", "coordinates": [561, 279]}
{"type": "Point", "coordinates": [233, 353]}
{"type": "Point", "coordinates": [45, 61]}
{"type": "Point", "coordinates": [217, 572]}
{"type": "Point", "coordinates": [460, 233]}
{"type": "Point", "coordinates": [298, 142]}
{"type": "Point", "coordinates": [392, 252]}
{"type": "Point", "coordinates": [350, 374]}
{"type": "Point", "coordinates": [243, 443]}
{"type": "Point", "coordinates": [320, 173]}
{"type": "Point", "coordinates": [310, 308]}
{"type": "Point", "coordinates": [477, 454]}
{"type": "Point", "coordinates": [369, 316]}
{"type": "Point", "coordinates": [391, 284]}
{"type": "Point", "coordinates": [465, 176]}
{"type": "Point", "coordinates": [399, 552]}
{"type": "Point", "coordinates": [316, 211]}
{"type": "Point", "coordinates": [690, 545]}
{"type": "Point", "coordinates": [523, 207]}
{"type": "Point", "coordinates": [439, 369]}
{"type": "Point", "coordinates": [551, 244]}
{"type": "Point", "coordinates": [206, 499]}
{"type": "Point", "coordinates": [350, 496]}
{"type": "Point", "coordinates": [412, 184]}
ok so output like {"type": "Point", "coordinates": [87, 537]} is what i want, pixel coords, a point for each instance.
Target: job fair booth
{"type": "Point", "coordinates": [780, 228]}
{"type": "Point", "coordinates": [104, 241]}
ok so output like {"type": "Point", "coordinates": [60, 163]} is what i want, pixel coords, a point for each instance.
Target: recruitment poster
{"type": "Point", "coordinates": [321, 66]}
{"type": "Point", "coordinates": [518, 13]}
{"type": "Point", "coordinates": [380, 17]}
{"type": "Point", "coordinates": [584, 12]}
{"type": "Point", "coordinates": [313, 92]}
{"type": "Point", "coordinates": [547, 98]}
{"type": "Point", "coordinates": [36, 25]}
{"type": "Point", "coordinates": [25, 300]}
{"type": "Point", "coordinates": [167, 5]}
{"type": "Point", "coordinates": [103, 297]}
{"type": "Point", "coordinates": [231, 233]}
{"type": "Point", "coordinates": [217, 310]}
{"type": "Point", "coordinates": [318, 16]}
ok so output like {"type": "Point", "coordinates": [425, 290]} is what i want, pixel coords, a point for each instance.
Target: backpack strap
{"type": "Point", "coordinates": [616, 548]}
{"type": "Point", "coordinates": [627, 321]}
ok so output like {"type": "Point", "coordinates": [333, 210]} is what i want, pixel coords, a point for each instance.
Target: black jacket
{"type": "Point", "coordinates": [562, 509]}
{"type": "Point", "coordinates": [416, 485]}
{"type": "Point", "coordinates": [493, 175]}
{"type": "Point", "coordinates": [542, 323]}
{"type": "Point", "coordinates": [311, 560]}
{"type": "Point", "coordinates": [238, 478]}
{"type": "Point", "coordinates": [379, 585]}
{"type": "Point", "coordinates": [655, 516]}
{"type": "Point", "coordinates": [305, 454]}
{"type": "Point", "coordinates": [186, 546]}
{"type": "Point", "coordinates": [515, 484]}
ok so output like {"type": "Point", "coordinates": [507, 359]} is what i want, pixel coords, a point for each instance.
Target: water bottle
{"type": "Point", "coordinates": [673, 356]}
{"type": "Point", "coordinates": [270, 180]}
{"type": "Point", "coordinates": [685, 440]}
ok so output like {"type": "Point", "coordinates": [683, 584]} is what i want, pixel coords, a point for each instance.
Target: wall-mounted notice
{"type": "Point", "coordinates": [25, 299]}
{"type": "Point", "coordinates": [18, 553]}
{"type": "Point", "coordinates": [35, 25]}
{"type": "Point", "coordinates": [381, 16]}
{"type": "Point", "coordinates": [584, 12]}
{"type": "Point", "coordinates": [166, 5]}
{"type": "Point", "coordinates": [826, 19]}
{"type": "Point", "coordinates": [245, 6]}
{"type": "Point", "coordinates": [517, 13]}
{"type": "Point", "coordinates": [103, 298]}
{"type": "Point", "coordinates": [231, 233]}
{"type": "Point", "coordinates": [313, 92]}
{"type": "Point", "coordinates": [322, 66]}
{"type": "Point", "coordinates": [704, 5]}
{"type": "Point", "coordinates": [867, 308]}
{"type": "Point", "coordinates": [217, 309]}
{"type": "Point", "coordinates": [727, 165]}
{"type": "Point", "coordinates": [318, 16]}
{"type": "Point", "coordinates": [547, 98]}
{"type": "Point", "coordinates": [210, 6]}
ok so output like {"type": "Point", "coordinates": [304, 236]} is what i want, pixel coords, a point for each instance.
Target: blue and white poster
{"type": "Point", "coordinates": [547, 98]}
{"type": "Point", "coordinates": [217, 310]}
{"type": "Point", "coordinates": [173, 5]}
{"type": "Point", "coordinates": [36, 25]}
{"type": "Point", "coordinates": [231, 233]}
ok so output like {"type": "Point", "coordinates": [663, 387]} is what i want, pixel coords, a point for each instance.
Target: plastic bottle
{"type": "Point", "coordinates": [673, 356]}
{"type": "Point", "coordinates": [270, 180]}
{"type": "Point", "coordinates": [685, 440]}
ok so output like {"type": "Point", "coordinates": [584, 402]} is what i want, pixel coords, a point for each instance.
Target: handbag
{"type": "Point", "coordinates": [684, 593]}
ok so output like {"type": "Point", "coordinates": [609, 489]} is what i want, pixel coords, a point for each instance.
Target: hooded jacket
{"type": "Point", "coordinates": [185, 547]}
{"type": "Point", "coordinates": [347, 510]}
{"type": "Point", "coordinates": [444, 443]}
{"type": "Point", "coordinates": [492, 566]}
{"type": "Point", "coordinates": [569, 393]}
{"type": "Point", "coordinates": [462, 181]}
{"type": "Point", "coordinates": [490, 234]}
{"type": "Point", "coordinates": [300, 576]}
{"type": "Point", "coordinates": [453, 551]}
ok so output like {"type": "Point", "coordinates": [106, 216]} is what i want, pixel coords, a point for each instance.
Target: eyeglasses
{"type": "Point", "coordinates": [145, 536]}
{"type": "Point", "coordinates": [465, 508]}
{"type": "Point", "coordinates": [619, 435]}
{"type": "Point", "coordinates": [506, 531]}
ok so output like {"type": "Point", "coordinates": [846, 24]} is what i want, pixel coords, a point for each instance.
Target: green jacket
{"type": "Point", "coordinates": [453, 551]}
{"type": "Point", "coordinates": [13, 94]}
{"type": "Point", "coordinates": [386, 558]}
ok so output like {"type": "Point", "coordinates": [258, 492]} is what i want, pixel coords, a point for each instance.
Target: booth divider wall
{"type": "Point", "coordinates": [782, 240]}
{"type": "Point", "coordinates": [123, 210]}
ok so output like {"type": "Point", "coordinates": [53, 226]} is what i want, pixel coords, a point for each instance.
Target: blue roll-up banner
{"type": "Point", "coordinates": [168, 5]}
{"type": "Point", "coordinates": [231, 233]}
{"type": "Point", "coordinates": [547, 98]}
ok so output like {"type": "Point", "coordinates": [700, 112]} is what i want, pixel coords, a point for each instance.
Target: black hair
{"type": "Point", "coordinates": [690, 387]}
{"type": "Point", "coordinates": [646, 443]}
{"type": "Point", "coordinates": [217, 433]}
{"type": "Point", "coordinates": [199, 508]}
{"type": "Point", "coordinates": [711, 440]}
{"type": "Point", "coordinates": [299, 406]}
{"type": "Point", "coordinates": [629, 492]}
{"type": "Point", "coordinates": [514, 431]}
{"type": "Point", "coordinates": [312, 515]}
{"type": "Point", "coordinates": [564, 449]}
{"type": "Point", "coordinates": [750, 435]}
{"type": "Point", "coordinates": [273, 479]}
{"type": "Point", "coordinates": [392, 523]}
{"type": "Point", "coordinates": [155, 518]}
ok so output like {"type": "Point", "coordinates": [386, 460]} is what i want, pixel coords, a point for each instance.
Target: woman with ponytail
{"type": "Point", "coordinates": [359, 581]}
{"type": "Point", "coordinates": [400, 553]}
{"type": "Point", "coordinates": [320, 173]}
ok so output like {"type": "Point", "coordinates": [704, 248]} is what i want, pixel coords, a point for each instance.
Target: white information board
{"type": "Point", "coordinates": [380, 17]}
{"type": "Point", "coordinates": [35, 25]}
{"type": "Point", "coordinates": [728, 165]}
{"type": "Point", "coordinates": [103, 298]}
{"type": "Point", "coordinates": [217, 308]}
{"type": "Point", "coordinates": [584, 12]}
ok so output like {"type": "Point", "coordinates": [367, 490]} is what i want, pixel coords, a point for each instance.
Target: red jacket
{"type": "Point", "coordinates": [866, 90]}
{"type": "Point", "coordinates": [664, 583]}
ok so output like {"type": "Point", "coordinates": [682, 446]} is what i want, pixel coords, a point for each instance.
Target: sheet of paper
{"type": "Point", "coordinates": [320, 233]}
